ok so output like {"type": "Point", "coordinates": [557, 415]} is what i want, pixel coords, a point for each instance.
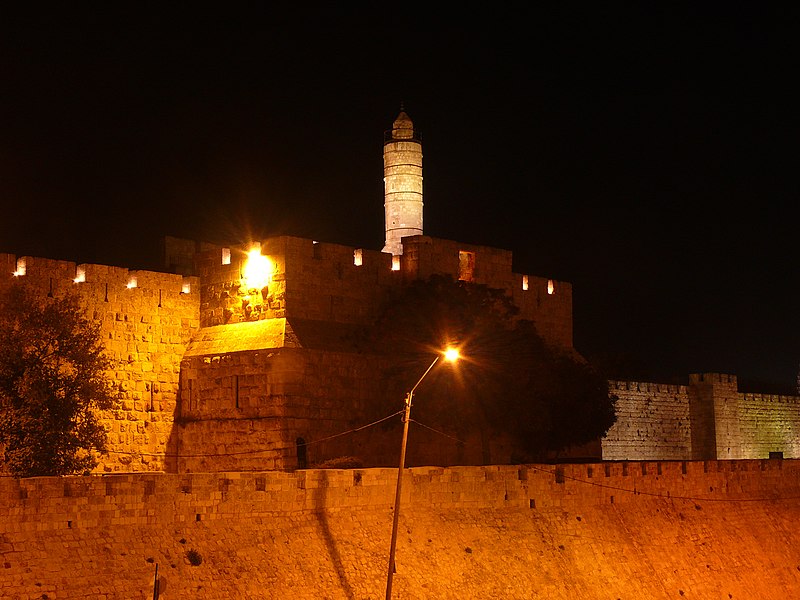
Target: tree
{"type": "Point", "coordinates": [52, 381]}
{"type": "Point", "coordinates": [512, 383]}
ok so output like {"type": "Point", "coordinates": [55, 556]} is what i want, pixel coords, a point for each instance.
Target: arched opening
{"type": "Point", "coordinates": [302, 457]}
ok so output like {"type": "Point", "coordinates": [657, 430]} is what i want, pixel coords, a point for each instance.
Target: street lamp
{"type": "Point", "coordinates": [451, 355]}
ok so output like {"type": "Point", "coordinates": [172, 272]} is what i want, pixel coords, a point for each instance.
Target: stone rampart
{"type": "Point", "coordinates": [653, 422]}
{"type": "Point", "coordinates": [707, 419]}
{"type": "Point", "coordinates": [146, 321]}
{"type": "Point", "coordinates": [713, 529]}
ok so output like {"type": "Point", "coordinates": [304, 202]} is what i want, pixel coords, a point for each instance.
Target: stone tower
{"type": "Point", "coordinates": [402, 180]}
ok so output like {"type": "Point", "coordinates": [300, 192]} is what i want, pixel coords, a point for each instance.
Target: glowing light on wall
{"type": "Point", "coordinates": [80, 274]}
{"type": "Point", "coordinates": [396, 263]}
{"type": "Point", "coordinates": [132, 282]}
{"type": "Point", "coordinates": [358, 258]}
{"type": "Point", "coordinates": [466, 266]}
{"type": "Point", "coordinates": [21, 268]}
{"type": "Point", "coordinates": [551, 287]}
{"type": "Point", "coordinates": [257, 270]}
{"type": "Point", "coordinates": [186, 288]}
{"type": "Point", "coordinates": [525, 282]}
{"type": "Point", "coordinates": [226, 256]}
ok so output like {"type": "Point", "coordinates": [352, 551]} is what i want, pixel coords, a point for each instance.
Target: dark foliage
{"type": "Point", "coordinates": [52, 378]}
{"type": "Point", "coordinates": [509, 380]}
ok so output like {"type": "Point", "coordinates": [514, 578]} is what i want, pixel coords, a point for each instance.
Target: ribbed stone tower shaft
{"type": "Point", "coordinates": [402, 180]}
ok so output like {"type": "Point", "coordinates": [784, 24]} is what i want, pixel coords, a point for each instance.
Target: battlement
{"type": "Point", "coordinates": [647, 387]}
{"type": "Point", "coordinates": [60, 275]}
{"type": "Point", "coordinates": [725, 378]}
{"type": "Point", "coordinates": [770, 399]}
{"type": "Point", "coordinates": [343, 284]}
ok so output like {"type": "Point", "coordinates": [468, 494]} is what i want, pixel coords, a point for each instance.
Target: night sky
{"type": "Point", "coordinates": [647, 155]}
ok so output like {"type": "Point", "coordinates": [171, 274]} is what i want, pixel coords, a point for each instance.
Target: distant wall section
{"type": "Point", "coordinates": [707, 419]}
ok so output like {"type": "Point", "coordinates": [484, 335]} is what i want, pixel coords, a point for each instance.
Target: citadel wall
{"type": "Point", "coordinates": [244, 399]}
{"type": "Point", "coordinates": [653, 422]}
{"type": "Point", "coordinates": [149, 320]}
{"type": "Point", "coordinates": [145, 329]}
{"type": "Point", "coordinates": [675, 529]}
{"type": "Point", "coordinates": [335, 283]}
{"type": "Point", "coordinates": [707, 419]}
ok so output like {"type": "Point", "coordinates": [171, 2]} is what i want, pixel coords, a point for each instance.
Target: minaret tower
{"type": "Point", "coordinates": [402, 181]}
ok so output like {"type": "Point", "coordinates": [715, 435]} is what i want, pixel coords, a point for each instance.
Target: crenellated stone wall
{"type": "Point", "coordinates": [653, 422]}
{"type": "Point", "coordinates": [250, 375]}
{"type": "Point", "coordinates": [335, 283]}
{"type": "Point", "coordinates": [546, 302]}
{"type": "Point", "coordinates": [676, 529]}
{"type": "Point", "coordinates": [707, 419]}
{"type": "Point", "coordinates": [146, 321]}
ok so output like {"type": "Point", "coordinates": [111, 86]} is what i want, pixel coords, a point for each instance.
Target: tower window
{"type": "Point", "coordinates": [226, 256]}
{"type": "Point", "coordinates": [396, 262]}
{"type": "Point", "coordinates": [525, 282]}
{"type": "Point", "coordinates": [358, 258]}
{"type": "Point", "coordinates": [466, 266]}
{"type": "Point", "coordinates": [551, 287]}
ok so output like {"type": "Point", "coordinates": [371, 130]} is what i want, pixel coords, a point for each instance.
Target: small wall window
{"type": "Point", "coordinates": [186, 288]}
{"type": "Point", "coordinates": [226, 256]}
{"type": "Point", "coordinates": [551, 287]}
{"type": "Point", "coordinates": [396, 263]}
{"type": "Point", "coordinates": [358, 257]}
{"type": "Point", "coordinates": [317, 250]}
{"type": "Point", "coordinates": [80, 274]}
{"type": "Point", "coordinates": [466, 266]}
{"type": "Point", "coordinates": [22, 267]}
{"type": "Point", "coordinates": [132, 282]}
{"type": "Point", "coordinates": [525, 283]}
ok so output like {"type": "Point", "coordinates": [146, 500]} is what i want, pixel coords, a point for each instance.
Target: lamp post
{"type": "Point", "coordinates": [451, 354]}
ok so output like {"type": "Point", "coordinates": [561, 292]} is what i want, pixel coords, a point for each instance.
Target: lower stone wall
{"type": "Point", "coordinates": [607, 530]}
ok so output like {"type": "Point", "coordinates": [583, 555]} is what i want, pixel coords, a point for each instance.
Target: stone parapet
{"type": "Point", "coordinates": [638, 529]}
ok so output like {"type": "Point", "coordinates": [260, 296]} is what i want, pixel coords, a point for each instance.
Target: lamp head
{"type": "Point", "coordinates": [452, 354]}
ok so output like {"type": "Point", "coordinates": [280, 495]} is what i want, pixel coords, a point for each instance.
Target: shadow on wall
{"type": "Point", "coordinates": [320, 498]}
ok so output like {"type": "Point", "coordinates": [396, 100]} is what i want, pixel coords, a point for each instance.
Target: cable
{"type": "Point", "coordinates": [281, 449]}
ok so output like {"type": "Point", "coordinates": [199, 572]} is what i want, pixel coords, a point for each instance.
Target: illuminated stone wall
{"type": "Point", "coordinates": [321, 281]}
{"type": "Point", "coordinates": [244, 398]}
{"type": "Point", "coordinates": [653, 422]}
{"type": "Point", "coordinates": [145, 330]}
{"type": "Point", "coordinates": [707, 419]}
{"type": "Point", "coordinates": [700, 530]}
{"type": "Point", "coordinates": [148, 320]}
{"type": "Point", "coordinates": [767, 423]}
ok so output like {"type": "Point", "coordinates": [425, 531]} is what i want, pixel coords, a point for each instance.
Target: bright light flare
{"type": "Point", "coordinates": [452, 354]}
{"type": "Point", "coordinates": [257, 270]}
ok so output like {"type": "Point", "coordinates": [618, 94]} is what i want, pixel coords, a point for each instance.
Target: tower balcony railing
{"type": "Point", "coordinates": [416, 136]}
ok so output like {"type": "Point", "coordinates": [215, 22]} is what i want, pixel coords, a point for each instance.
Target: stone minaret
{"type": "Point", "coordinates": [402, 180]}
